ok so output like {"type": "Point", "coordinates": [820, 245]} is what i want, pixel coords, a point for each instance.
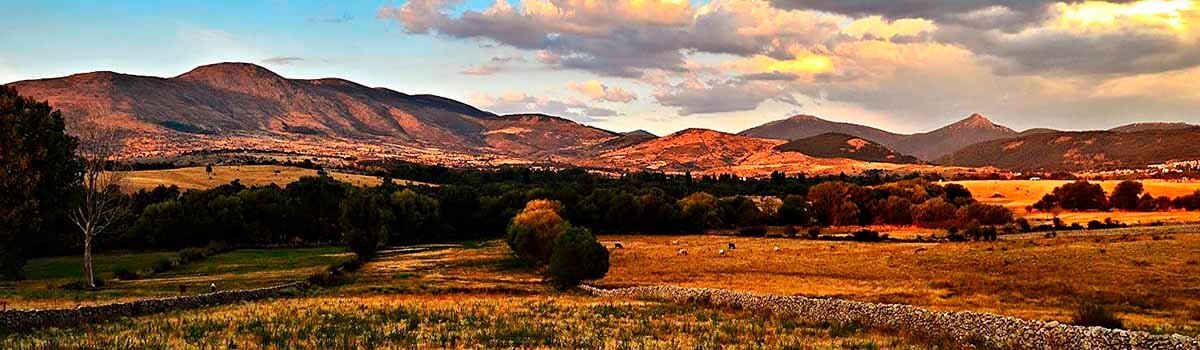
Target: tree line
{"type": "Point", "coordinates": [1128, 195]}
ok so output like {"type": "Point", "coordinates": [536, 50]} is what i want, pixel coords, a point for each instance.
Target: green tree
{"type": "Point", "coordinates": [38, 174]}
{"type": "Point", "coordinates": [896, 210]}
{"type": "Point", "coordinates": [1125, 195]}
{"type": "Point", "coordinates": [577, 257]}
{"type": "Point", "coordinates": [739, 211]}
{"type": "Point", "coordinates": [795, 210]}
{"type": "Point", "coordinates": [933, 213]}
{"type": "Point", "coordinates": [985, 214]}
{"type": "Point", "coordinates": [698, 212]}
{"type": "Point", "coordinates": [363, 222]}
{"type": "Point", "coordinates": [415, 217]}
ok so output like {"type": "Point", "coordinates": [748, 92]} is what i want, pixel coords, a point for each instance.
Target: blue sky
{"type": "Point", "coordinates": [903, 69]}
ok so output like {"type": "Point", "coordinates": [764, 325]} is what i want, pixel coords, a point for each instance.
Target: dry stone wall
{"type": "Point", "coordinates": [17, 320]}
{"type": "Point", "coordinates": [970, 329]}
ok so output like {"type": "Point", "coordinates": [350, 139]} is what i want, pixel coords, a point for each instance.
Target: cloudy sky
{"type": "Point", "coordinates": [666, 65]}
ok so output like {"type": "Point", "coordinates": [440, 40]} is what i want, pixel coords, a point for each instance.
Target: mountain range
{"type": "Point", "coordinates": [243, 107]}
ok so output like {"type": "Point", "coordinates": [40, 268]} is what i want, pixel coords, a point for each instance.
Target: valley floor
{"type": "Point", "coordinates": [475, 295]}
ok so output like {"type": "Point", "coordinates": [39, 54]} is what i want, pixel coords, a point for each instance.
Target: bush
{"type": "Point", "coordinates": [1096, 315]}
{"type": "Point", "coordinates": [1023, 224]}
{"type": "Point", "coordinates": [866, 235]}
{"type": "Point", "coordinates": [577, 256]}
{"type": "Point", "coordinates": [953, 235]}
{"type": "Point", "coordinates": [814, 232]}
{"type": "Point", "coordinates": [790, 231]}
{"type": "Point", "coordinates": [123, 273]}
{"type": "Point", "coordinates": [980, 233]}
{"type": "Point", "coordinates": [163, 265]}
{"type": "Point", "coordinates": [753, 231]}
{"type": "Point", "coordinates": [1095, 225]}
{"type": "Point", "coordinates": [191, 254]}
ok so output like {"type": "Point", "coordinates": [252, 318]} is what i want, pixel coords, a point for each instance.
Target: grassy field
{"type": "Point", "coordinates": [197, 178]}
{"type": "Point", "coordinates": [457, 296]}
{"type": "Point", "coordinates": [1152, 281]}
{"type": "Point", "coordinates": [248, 268]}
{"type": "Point", "coordinates": [1017, 194]}
{"type": "Point", "coordinates": [475, 295]}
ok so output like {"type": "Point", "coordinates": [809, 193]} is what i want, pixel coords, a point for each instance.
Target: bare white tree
{"type": "Point", "coordinates": [101, 206]}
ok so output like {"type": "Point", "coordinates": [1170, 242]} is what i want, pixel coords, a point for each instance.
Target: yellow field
{"type": "Point", "coordinates": [1151, 282]}
{"type": "Point", "coordinates": [1017, 194]}
{"type": "Point", "coordinates": [250, 175]}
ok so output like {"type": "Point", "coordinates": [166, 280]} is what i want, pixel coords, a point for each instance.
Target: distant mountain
{"type": "Point", "coordinates": [1151, 126]}
{"type": "Point", "coordinates": [242, 99]}
{"type": "Point", "coordinates": [1082, 151]}
{"type": "Point", "coordinates": [802, 126]}
{"type": "Point", "coordinates": [934, 144]}
{"type": "Point", "coordinates": [929, 145]}
{"type": "Point", "coordinates": [687, 150]}
{"type": "Point", "coordinates": [1036, 131]}
{"type": "Point", "coordinates": [839, 145]}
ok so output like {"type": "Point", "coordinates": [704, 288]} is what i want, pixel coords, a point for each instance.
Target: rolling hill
{"type": "Point", "coordinates": [839, 145]}
{"type": "Point", "coordinates": [929, 145]}
{"type": "Point", "coordinates": [1082, 150]}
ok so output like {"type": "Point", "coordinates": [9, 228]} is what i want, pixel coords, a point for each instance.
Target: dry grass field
{"type": "Point", "coordinates": [458, 296]}
{"type": "Point", "coordinates": [1017, 194]}
{"type": "Point", "coordinates": [250, 175]}
{"type": "Point", "coordinates": [1152, 281]}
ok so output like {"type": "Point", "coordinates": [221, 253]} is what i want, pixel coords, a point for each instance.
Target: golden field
{"type": "Point", "coordinates": [460, 297]}
{"type": "Point", "coordinates": [1152, 281]}
{"type": "Point", "coordinates": [476, 295]}
{"type": "Point", "coordinates": [1018, 194]}
{"type": "Point", "coordinates": [250, 175]}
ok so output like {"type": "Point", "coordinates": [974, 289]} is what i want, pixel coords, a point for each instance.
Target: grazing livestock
{"type": "Point", "coordinates": [675, 242]}
{"type": "Point", "coordinates": [183, 289]}
{"type": "Point", "coordinates": [732, 246]}
{"type": "Point", "coordinates": [722, 252]}
{"type": "Point", "coordinates": [618, 245]}
{"type": "Point", "coordinates": [776, 248]}
{"type": "Point", "coordinates": [212, 287]}
{"type": "Point", "coordinates": [682, 252]}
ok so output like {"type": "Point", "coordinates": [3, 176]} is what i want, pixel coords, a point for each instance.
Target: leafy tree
{"type": "Point", "coordinates": [985, 214]}
{"type": "Point", "coordinates": [1125, 195]}
{"type": "Point", "coordinates": [896, 211]}
{"type": "Point", "coordinates": [317, 211]}
{"type": "Point", "coordinates": [795, 210]}
{"type": "Point", "coordinates": [160, 223]}
{"type": "Point", "coordinates": [1147, 203]}
{"type": "Point", "coordinates": [415, 217]}
{"type": "Point", "coordinates": [38, 173]}
{"type": "Point", "coordinates": [577, 256]}
{"type": "Point", "coordinates": [698, 212]}
{"type": "Point", "coordinates": [1081, 195]}
{"type": "Point", "coordinates": [832, 203]}
{"type": "Point", "coordinates": [739, 211]}
{"type": "Point", "coordinates": [957, 194]}
{"type": "Point", "coordinates": [532, 233]}
{"type": "Point", "coordinates": [363, 222]}
{"type": "Point", "coordinates": [934, 213]}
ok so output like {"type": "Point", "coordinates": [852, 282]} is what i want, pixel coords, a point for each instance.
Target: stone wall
{"type": "Point", "coordinates": [16, 320]}
{"type": "Point", "coordinates": [969, 329]}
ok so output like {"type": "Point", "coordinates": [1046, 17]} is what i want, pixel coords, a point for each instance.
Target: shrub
{"type": "Point", "coordinates": [980, 233]}
{"type": "Point", "coordinates": [985, 214]}
{"type": "Point", "coordinates": [162, 265]}
{"type": "Point", "coordinates": [1095, 225]}
{"type": "Point", "coordinates": [1096, 315]}
{"type": "Point", "coordinates": [814, 232]}
{"type": "Point", "coordinates": [123, 273]}
{"type": "Point", "coordinates": [753, 231]}
{"type": "Point", "coordinates": [866, 235]}
{"type": "Point", "coordinates": [790, 231]}
{"type": "Point", "coordinates": [577, 256]}
{"type": "Point", "coordinates": [191, 254]}
{"type": "Point", "coordinates": [1023, 224]}
{"type": "Point", "coordinates": [953, 235]}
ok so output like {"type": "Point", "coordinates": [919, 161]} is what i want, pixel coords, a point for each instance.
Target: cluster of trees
{"type": "Point", "coordinates": [1127, 195]}
{"type": "Point", "coordinates": [570, 254]}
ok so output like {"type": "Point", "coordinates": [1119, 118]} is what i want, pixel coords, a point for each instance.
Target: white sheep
{"type": "Point", "coordinates": [676, 242]}
{"type": "Point", "coordinates": [776, 248]}
{"type": "Point", "coordinates": [682, 252]}
{"type": "Point", "coordinates": [722, 252]}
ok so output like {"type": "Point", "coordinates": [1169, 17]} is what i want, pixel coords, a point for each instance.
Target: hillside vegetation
{"type": "Point", "coordinates": [838, 145]}
{"type": "Point", "coordinates": [1081, 151]}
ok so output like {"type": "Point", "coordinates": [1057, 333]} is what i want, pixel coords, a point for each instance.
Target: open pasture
{"type": "Point", "coordinates": [249, 175]}
{"type": "Point", "coordinates": [1152, 281]}
{"type": "Point", "coordinates": [1018, 194]}
{"type": "Point", "coordinates": [238, 269]}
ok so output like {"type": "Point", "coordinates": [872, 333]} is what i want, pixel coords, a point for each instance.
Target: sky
{"type": "Point", "coordinates": [666, 65]}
